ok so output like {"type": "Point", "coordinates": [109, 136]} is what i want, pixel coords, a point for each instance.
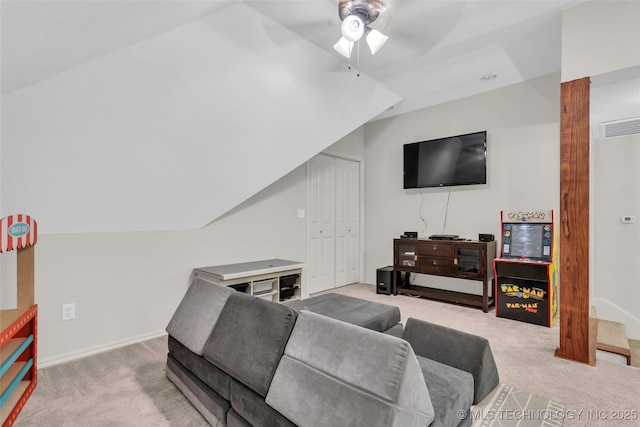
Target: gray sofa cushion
{"type": "Point", "coordinates": [249, 339]}
{"type": "Point", "coordinates": [208, 403]}
{"type": "Point", "coordinates": [235, 420]}
{"type": "Point", "coordinates": [451, 391]}
{"type": "Point", "coordinates": [468, 352]}
{"type": "Point", "coordinates": [368, 314]}
{"type": "Point", "coordinates": [396, 331]}
{"type": "Point", "coordinates": [215, 378]}
{"type": "Point", "coordinates": [197, 314]}
{"type": "Point", "coordinates": [351, 376]}
{"type": "Point", "coordinates": [253, 409]}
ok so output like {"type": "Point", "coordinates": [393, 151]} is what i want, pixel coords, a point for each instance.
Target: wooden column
{"type": "Point", "coordinates": [574, 222]}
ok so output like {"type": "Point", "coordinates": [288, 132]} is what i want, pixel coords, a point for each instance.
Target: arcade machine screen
{"type": "Point", "coordinates": [530, 241]}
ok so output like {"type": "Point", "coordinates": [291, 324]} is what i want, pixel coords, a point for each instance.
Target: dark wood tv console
{"type": "Point", "coordinates": [462, 259]}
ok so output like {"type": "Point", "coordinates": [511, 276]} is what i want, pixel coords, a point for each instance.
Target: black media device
{"type": "Point", "coordinates": [411, 234]}
{"type": "Point", "coordinates": [444, 237]}
{"type": "Point", "coordinates": [486, 237]}
{"type": "Point", "coordinates": [444, 162]}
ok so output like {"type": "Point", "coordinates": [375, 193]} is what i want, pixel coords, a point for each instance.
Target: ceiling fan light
{"type": "Point", "coordinates": [375, 40]}
{"type": "Point", "coordinates": [353, 27]}
{"type": "Point", "coordinates": [343, 47]}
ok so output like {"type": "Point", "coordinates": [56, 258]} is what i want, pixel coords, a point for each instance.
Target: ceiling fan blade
{"type": "Point", "coordinates": [436, 22]}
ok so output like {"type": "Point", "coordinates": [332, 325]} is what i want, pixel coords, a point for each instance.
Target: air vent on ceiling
{"type": "Point", "coordinates": [620, 127]}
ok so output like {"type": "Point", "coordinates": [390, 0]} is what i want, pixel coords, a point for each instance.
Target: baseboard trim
{"type": "Point", "coordinates": [99, 349]}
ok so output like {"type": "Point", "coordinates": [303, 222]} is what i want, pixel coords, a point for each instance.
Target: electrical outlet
{"type": "Point", "coordinates": [68, 311]}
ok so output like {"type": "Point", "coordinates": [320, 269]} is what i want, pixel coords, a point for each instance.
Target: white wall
{"type": "Point", "coordinates": [352, 146]}
{"type": "Point", "coordinates": [599, 37]}
{"type": "Point", "coordinates": [617, 246]}
{"type": "Point", "coordinates": [126, 286]}
{"type": "Point", "coordinates": [117, 157]}
{"type": "Point", "coordinates": [128, 141]}
{"type": "Point", "coordinates": [522, 124]}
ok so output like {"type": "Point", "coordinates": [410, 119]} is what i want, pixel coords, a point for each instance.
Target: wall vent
{"type": "Point", "coordinates": [620, 127]}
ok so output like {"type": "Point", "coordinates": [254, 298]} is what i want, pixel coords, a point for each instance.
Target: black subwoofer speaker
{"type": "Point", "coordinates": [486, 237]}
{"type": "Point", "coordinates": [384, 280]}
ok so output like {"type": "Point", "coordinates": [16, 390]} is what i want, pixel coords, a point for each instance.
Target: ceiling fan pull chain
{"type": "Point", "coordinates": [358, 62]}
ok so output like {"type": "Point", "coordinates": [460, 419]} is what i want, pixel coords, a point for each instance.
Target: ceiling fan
{"type": "Point", "coordinates": [357, 16]}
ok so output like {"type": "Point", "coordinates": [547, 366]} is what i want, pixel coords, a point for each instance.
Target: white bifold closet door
{"type": "Point", "coordinates": [333, 215]}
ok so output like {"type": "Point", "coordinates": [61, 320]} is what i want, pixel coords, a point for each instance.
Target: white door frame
{"type": "Point", "coordinates": [361, 204]}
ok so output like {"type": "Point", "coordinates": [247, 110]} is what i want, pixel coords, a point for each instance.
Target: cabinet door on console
{"type": "Point", "coordinates": [406, 254]}
{"type": "Point", "coordinates": [470, 260]}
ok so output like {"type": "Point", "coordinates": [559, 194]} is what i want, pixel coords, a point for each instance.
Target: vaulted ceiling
{"type": "Point", "coordinates": [437, 51]}
{"type": "Point", "coordinates": [164, 115]}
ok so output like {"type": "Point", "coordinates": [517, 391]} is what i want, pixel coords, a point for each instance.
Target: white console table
{"type": "Point", "coordinates": [271, 279]}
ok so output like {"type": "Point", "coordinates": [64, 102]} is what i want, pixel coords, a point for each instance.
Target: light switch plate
{"type": "Point", "coordinates": [68, 311]}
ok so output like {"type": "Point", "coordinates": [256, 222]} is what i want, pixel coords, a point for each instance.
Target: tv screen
{"type": "Point", "coordinates": [444, 162]}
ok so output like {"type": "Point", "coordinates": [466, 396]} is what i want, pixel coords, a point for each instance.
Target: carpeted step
{"type": "Point", "coordinates": [612, 337]}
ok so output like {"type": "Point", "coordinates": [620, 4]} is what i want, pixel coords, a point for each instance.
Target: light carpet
{"type": "Point", "coordinates": [128, 386]}
{"type": "Point", "coordinates": [122, 387]}
{"type": "Point", "coordinates": [507, 406]}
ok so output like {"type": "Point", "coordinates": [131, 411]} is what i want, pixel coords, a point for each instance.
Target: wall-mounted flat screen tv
{"type": "Point", "coordinates": [444, 162]}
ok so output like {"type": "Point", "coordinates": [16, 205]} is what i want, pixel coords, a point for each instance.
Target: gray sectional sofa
{"type": "Point", "coordinates": [244, 361]}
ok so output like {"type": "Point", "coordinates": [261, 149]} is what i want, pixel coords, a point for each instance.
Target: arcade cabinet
{"type": "Point", "coordinates": [526, 271]}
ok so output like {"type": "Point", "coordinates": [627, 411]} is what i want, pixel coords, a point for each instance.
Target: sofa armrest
{"type": "Point", "coordinates": [467, 352]}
